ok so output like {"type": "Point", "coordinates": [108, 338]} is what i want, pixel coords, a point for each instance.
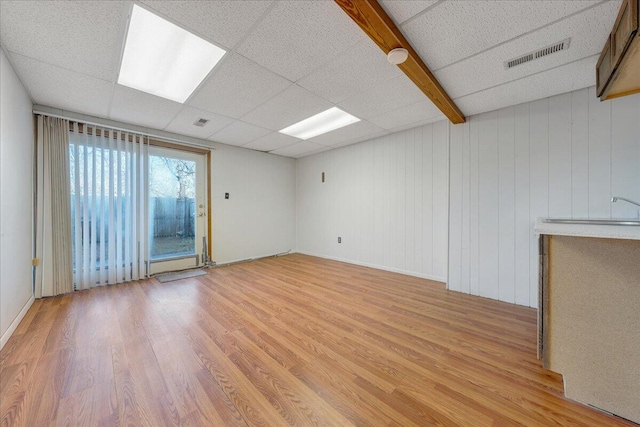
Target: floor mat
{"type": "Point", "coordinates": [170, 277]}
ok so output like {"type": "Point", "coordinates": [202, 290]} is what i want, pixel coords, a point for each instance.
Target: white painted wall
{"type": "Point", "coordinates": [16, 196]}
{"type": "Point", "coordinates": [387, 198]}
{"type": "Point", "coordinates": [564, 156]}
{"type": "Point", "coordinates": [259, 217]}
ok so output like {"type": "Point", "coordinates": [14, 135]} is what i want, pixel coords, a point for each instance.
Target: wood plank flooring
{"type": "Point", "coordinates": [293, 340]}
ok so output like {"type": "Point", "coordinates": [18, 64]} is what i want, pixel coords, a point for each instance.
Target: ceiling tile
{"type": "Point", "coordinates": [358, 130]}
{"type": "Point", "coordinates": [361, 139]}
{"type": "Point", "coordinates": [237, 87]}
{"type": "Point", "coordinates": [419, 123]}
{"type": "Point", "coordinates": [298, 36]}
{"type": "Point", "coordinates": [273, 141]}
{"type": "Point", "coordinates": [311, 153]}
{"type": "Point", "coordinates": [85, 37]}
{"type": "Point", "coordinates": [566, 78]}
{"type": "Point", "coordinates": [384, 98]}
{"type": "Point", "coordinates": [289, 107]}
{"type": "Point", "coordinates": [422, 110]}
{"type": "Point", "coordinates": [222, 22]}
{"type": "Point", "coordinates": [67, 55]}
{"type": "Point", "coordinates": [183, 123]}
{"type": "Point", "coordinates": [360, 68]}
{"type": "Point", "coordinates": [60, 88]}
{"type": "Point", "coordinates": [139, 108]}
{"type": "Point", "coordinates": [457, 29]}
{"type": "Point", "coordinates": [587, 31]}
{"type": "Point", "coordinates": [302, 148]}
{"type": "Point", "coordinates": [401, 10]}
{"type": "Point", "coordinates": [239, 133]}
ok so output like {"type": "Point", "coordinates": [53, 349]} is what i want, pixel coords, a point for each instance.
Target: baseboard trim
{"type": "Point", "coordinates": [379, 267]}
{"type": "Point", "coordinates": [255, 258]}
{"type": "Point", "coordinates": [16, 322]}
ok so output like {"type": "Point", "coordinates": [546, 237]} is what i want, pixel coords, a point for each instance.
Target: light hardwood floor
{"type": "Point", "coordinates": [293, 340]}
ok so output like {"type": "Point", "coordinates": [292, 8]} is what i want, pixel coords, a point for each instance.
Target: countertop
{"type": "Point", "coordinates": [628, 232]}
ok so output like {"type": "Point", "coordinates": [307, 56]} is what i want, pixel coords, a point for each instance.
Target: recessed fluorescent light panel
{"type": "Point", "coordinates": [331, 119]}
{"type": "Point", "coordinates": [163, 59]}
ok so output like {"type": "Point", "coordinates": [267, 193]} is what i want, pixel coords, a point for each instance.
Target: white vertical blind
{"type": "Point", "coordinates": [107, 199]}
{"type": "Point", "coordinates": [141, 214]}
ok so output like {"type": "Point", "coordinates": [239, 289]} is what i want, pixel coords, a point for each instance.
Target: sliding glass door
{"type": "Point", "coordinates": [177, 209]}
{"type": "Point", "coordinates": [136, 209]}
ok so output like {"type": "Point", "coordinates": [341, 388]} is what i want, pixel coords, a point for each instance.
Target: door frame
{"type": "Point", "coordinates": [207, 176]}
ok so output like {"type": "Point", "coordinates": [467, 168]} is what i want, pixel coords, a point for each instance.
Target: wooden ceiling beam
{"type": "Point", "coordinates": [375, 22]}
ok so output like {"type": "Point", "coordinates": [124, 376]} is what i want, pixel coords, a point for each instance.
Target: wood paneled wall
{"type": "Point", "coordinates": [563, 156]}
{"type": "Point", "coordinates": [386, 198]}
{"type": "Point", "coordinates": [392, 199]}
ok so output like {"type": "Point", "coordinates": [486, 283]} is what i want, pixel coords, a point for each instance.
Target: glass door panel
{"type": "Point", "coordinates": [177, 209]}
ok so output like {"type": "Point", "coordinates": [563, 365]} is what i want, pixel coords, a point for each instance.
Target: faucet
{"type": "Point", "coordinates": [616, 198]}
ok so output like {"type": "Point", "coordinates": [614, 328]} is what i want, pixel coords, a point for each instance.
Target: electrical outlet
{"type": "Point", "coordinates": [339, 239]}
{"type": "Point", "coordinates": [226, 196]}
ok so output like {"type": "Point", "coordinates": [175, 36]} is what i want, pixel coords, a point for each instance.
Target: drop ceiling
{"type": "Point", "coordinates": [288, 60]}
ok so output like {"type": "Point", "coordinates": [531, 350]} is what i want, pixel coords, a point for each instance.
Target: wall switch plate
{"type": "Point", "coordinates": [226, 195]}
{"type": "Point", "coordinates": [339, 239]}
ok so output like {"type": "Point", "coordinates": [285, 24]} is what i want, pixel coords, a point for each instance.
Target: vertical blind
{"type": "Point", "coordinates": [107, 170]}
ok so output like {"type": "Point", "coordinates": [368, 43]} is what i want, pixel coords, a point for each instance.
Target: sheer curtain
{"type": "Point", "coordinates": [107, 182]}
{"type": "Point", "coordinates": [53, 220]}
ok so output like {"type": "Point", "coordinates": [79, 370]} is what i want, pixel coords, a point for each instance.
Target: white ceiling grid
{"type": "Point", "coordinates": [361, 68]}
{"type": "Point", "coordinates": [297, 37]}
{"type": "Point", "coordinates": [289, 106]}
{"type": "Point", "coordinates": [463, 28]}
{"type": "Point", "coordinates": [272, 142]}
{"type": "Point", "coordinates": [301, 149]}
{"type": "Point", "coordinates": [51, 85]}
{"type": "Point", "coordinates": [146, 109]}
{"type": "Point", "coordinates": [239, 133]}
{"type": "Point", "coordinates": [223, 22]}
{"type": "Point", "coordinates": [402, 10]}
{"type": "Point", "coordinates": [183, 123]}
{"type": "Point", "coordinates": [238, 86]}
{"type": "Point", "coordinates": [288, 60]}
{"type": "Point", "coordinates": [358, 131]}
{"type": "Point", "coordinates": [421, 112]}
{"type": "Point", "coordinates": [487, 70]}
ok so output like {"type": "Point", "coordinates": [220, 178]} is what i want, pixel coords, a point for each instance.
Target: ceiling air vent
{"type": "Point", "coordinates": [531, 56]}
{"type": "Point", "coordinates": [201, 122]}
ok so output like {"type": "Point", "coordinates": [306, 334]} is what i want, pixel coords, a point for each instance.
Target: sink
{"type": "Point", "coordinates": [611, 221]}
